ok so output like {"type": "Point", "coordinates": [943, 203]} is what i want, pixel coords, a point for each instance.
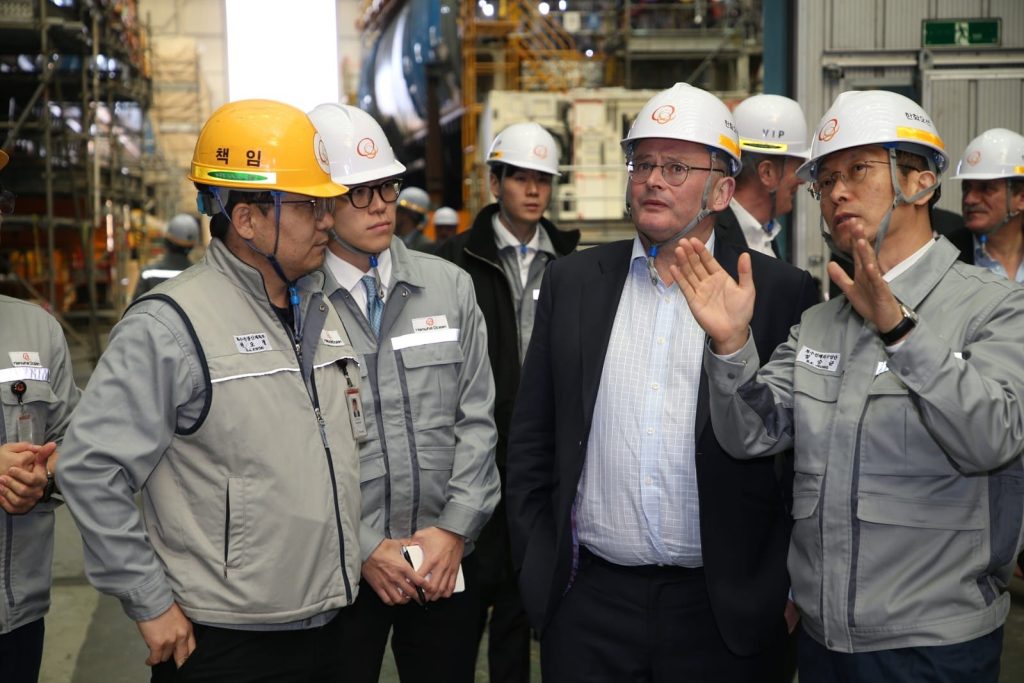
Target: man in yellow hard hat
{"type": "Point", "coordinates": [221, 397]}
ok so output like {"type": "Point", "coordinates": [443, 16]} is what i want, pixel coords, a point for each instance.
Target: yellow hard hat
{"type": "Point", "coordinates": [259, 145]}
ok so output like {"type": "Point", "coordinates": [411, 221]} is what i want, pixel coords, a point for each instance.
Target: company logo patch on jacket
{"type": "Point", "coordinates": [431, 322]}
{"type": "Point", "coordinates": [25, 359]}
{"type": "Point", "coordinates": [256, 342]}
{"type": "Point", "coordinates": [331, 338]}
{"type": "Point", "coordinates": [820, 360]}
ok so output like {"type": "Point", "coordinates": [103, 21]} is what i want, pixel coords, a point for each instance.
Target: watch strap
{"type": "Point", "coordinates": [902, 328]}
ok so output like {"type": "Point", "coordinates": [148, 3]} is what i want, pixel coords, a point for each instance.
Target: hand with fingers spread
{"type": "Point", "coordinates": [168, 635]}
{"type": "Point", "coordinates": [23, 468]}
{"type": "Point", "coordinates": [721, 305]}
{"type": "Point", "coordinates": [390, 575]}
{"type": "Point", "coordinates": [868, 292]}
{"type": "Point", "coordinates": [442, 555]}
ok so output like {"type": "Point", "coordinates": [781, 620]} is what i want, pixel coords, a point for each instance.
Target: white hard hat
{"type": "Point", "coordinates": [182, 230]}
{"type": "Point", "coordinates": [996, 153]}
{"type": "Point", "coordinates": [446, 215]}
{"type": "Point", "coordinates": [772, 124]}
{"type": "Point", "coordinates": [525, 145]}
{"type": "Point", "coordinates": [874, 117]}
{"type": "Point", "coordinates": [415, 199]}
{"type": "Point", "coordinates": [684, 112]}
{"type": "Point", "coordinates": [357, 149]}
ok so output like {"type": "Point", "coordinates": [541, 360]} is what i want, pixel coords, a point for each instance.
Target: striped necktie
{"type": "Point", "coordinates": [374, 304]}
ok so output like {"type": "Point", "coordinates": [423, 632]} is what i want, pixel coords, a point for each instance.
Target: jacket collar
{"type": "Point", "coordinates": [915, 284]}
{"type": "Point", "coordinates": [248, 278]}
{"type": "Point", "coordinates": [404, 270]}
{"type": "Point", "coordinates": [482, 243]}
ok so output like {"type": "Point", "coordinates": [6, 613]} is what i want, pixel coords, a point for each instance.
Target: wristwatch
{"type": "Point", "coordinates": [904, 326]}
{"type": "Point", "coordinates": [50, 488]}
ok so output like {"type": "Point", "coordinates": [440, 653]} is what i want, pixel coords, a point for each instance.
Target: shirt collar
{"type": "Point", "coordinates": [350, 277]}
{"type": "Point", "coordinates": [504, 237]}
{"type": "Point", "coordinates": [640, 252]}
{"type": "Point", "coordinates": [750, 226]}
{"type": "Point", "coordinates": [905, 265]}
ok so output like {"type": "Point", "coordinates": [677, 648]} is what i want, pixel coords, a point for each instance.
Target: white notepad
{"type": "Point", "coordinates": [416, 555]}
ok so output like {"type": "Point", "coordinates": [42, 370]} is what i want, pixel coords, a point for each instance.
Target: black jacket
{"type": "Point", "coordinates": [744, 524]}
{"type": "Point", "coordinates": [476, 252]}
{"type": "Point", "coordinates": [729, 230]}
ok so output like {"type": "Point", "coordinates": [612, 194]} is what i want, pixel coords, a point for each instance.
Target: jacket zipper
{"type": "Point", "coordinates": [322, 424]}
{"type": "Point", "coordinates": [227, 527]}
{"type": "Point", "coordinates": [851, 590]}
{"type": "Point", "coordinates": [8, 560]}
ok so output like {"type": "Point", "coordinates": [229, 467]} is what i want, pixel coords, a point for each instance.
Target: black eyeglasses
{"type": "Point", "coordinates": [361, 196]}
{"type": "Point", "coordinates": [319, 206]}
{"type": "Point", "coordinates": [7, 202]}
{"type": "Point", "coordinates": [674, 172]}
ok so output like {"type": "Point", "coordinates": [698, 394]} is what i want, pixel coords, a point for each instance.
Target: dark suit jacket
{"type": "Point", "coordinates": [744, 524]}
{"type": "Point", "coordinates": [727, 228]}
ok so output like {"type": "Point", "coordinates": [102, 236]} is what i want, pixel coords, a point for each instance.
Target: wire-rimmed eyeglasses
{"type": "Point", "coordinates": [853, 176]}
{"type": "Point", "coordinates": [319, 206]}
{"type": "Point", "coordinates": [674, 172]}
{"type": "Point", "coordinates": [361, 196]}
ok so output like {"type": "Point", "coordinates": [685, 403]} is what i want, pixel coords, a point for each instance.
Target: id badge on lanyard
{"type": "Point", "coordinates": [25, 430]}
{"type": "Point", "coordinates": [355, 408]}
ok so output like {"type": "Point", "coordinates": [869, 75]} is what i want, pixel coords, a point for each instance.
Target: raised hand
{"type": "Point", "coordinates": [721, 305]}
{"type": "Point", "coordinates": [868, 292]}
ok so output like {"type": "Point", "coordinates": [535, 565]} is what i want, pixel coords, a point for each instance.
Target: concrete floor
{"type": "Point", "coordinates": [90, 640]}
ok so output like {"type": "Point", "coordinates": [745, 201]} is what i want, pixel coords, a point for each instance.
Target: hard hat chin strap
{"type": "Point", "coordinates": [898, 198]}
{"type": "Point", "coordinates": [373, 257]}
{"type": "Point", "coordinates": [704, 212]}
{"type": "Point", "coordinates": [293, 291]}
{"type": "Point", "coordinates": [1010, 215]}
{"type": "Point", "coordinates": [826, 235]}
{"type": "Point", "coordinates": [773, 193]}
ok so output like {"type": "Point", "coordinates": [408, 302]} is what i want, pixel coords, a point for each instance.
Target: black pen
{"type": "Point", "coordinates": [419, 590]}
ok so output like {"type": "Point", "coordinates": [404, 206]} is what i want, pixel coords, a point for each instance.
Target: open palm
{"type": "Point", "coordinates": [722, 306]}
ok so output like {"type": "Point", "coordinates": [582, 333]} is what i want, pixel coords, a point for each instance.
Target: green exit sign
{"type": "Point", "coordinates": [961, 32]}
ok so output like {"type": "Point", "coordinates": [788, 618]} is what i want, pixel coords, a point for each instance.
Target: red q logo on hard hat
{"type": "Point", "coordinates": [829, 130]}
{"type": "Point", "coordinates": [540, 151]}
{"type": "Point", "coordinates": [25, 356]}
{"type": "Point", "coordinates": [663, 114]}
{"type": "Point", "coordinates": [974, 157]}
{"type": "Point", "coordinates": [367, 148]}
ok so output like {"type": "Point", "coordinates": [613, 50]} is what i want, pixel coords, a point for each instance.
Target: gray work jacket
{"type": "Point", "coordinates": [428, 394]}
{"type": "Point", "coordinates": [242, 448]}
{"type": "Point", "coordinates": [909, 492]}
{"type": "Point", "coordinates": [33, 351]}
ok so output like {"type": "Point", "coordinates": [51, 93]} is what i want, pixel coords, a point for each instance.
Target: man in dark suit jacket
{"type": "Point", "coordinates": [690, 584]}
{"type": "Point", "coordinates": [773, 136]}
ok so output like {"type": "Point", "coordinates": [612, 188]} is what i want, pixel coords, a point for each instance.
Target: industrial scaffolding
{"type": "Point", "coordinates": [75, 85]}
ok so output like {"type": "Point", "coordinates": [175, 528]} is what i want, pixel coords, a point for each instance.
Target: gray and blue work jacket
{"type": "Point", "coordinates": [240, 441]}
{"type": "Point", "coordinates": [428, 397]}
{"type": "Point", "coordinates": [909, 491]}
{"type": "Point", "coordinates": [33, 352]}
